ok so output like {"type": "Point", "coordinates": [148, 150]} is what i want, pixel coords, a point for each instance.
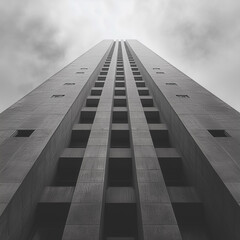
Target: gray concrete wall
{"type": "Point", "coordinates": [212, 163]}
{"type": "Point", "coordinates": [28, 164]}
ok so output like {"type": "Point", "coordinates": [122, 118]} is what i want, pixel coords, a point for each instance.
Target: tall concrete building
{"type": "Point", "coordinates": [120, 145]}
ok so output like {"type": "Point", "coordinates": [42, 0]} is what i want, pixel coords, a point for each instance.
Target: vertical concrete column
{"type": "Point", "coordinates": [157, 216]}
{"type": "Point", "coordinates": [86, 209]}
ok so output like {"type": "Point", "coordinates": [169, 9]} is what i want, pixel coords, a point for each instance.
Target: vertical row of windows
{"type": "Point", "coordinates": [120, 215]}
{"type": "Point", "coordinates": [187, 207]}
{"type": "Point", "coordinates": [53, 208]}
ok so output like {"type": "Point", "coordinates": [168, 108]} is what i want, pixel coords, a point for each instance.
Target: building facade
{"type": "Point", "coordinates": [120, 145]}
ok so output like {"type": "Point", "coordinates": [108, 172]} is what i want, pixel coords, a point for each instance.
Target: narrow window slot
{"type": "Point", "coordinates": [24, 133]}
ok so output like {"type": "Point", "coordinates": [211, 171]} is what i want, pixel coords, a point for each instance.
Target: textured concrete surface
{"type": "Point", "coordinates": [121, 147]}
{"type": "Point", "coordinates": [211, 163]}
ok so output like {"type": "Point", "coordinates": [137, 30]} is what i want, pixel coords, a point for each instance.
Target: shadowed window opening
{"type": "Point", "coordinates": [23, 133]}
{"type": "Point", "coordinates": [120, 139]}
{"type": "Point", "coordinates": [218, 133]}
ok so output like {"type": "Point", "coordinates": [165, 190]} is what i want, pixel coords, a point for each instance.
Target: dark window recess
{"type": "Point", "coordinates": [103, 73]}
{"type": "Point", "coordinates": [104, 69]}
{"type": "Point", "coordinates": [68, 170]}
{"type": "Point", "coordinates": [23, 133]}
{"type": "Point", "coordinates": [96, 92]}
{"type": "Point", "coordinates": [136, 73]}
{"type": "Point", "coordinates": [119, 73]}
{"type": "Point", "coordinates": [138, 78]}
{"type": "Point", "coordinates": [189, 213]}
{"type": "Point", "coordinates": [120, 117]}
{"type": "Point", "coordinates": [171, 83]}
{"type": "Point", "coordinates": [101, 78]}
{"type": "Point", "coordinates": [120, 84]}
{"type": "Point", "coordinates": [172, 171]}
{"type": "Point", "coordinates": [119, 69]}
{"type": "Point", "coordinates": [120, 102]}
{"type": "Point", "coordinates": [218, 133]}
{"type": "Point", "coordinates": [57, 95]}
{"type": "Point", "coordinates": [69, 83]}
{"type": "Point", "coordinates": [120, 139]}
{"type": "Point", "coordinates": [183, 96]}
{"type": "Point", "coordinates": [120, 92]}
{"type": "Point", "coordinates": [99, 84]}
{"type": "Point", "coordinates": [119, 77]}
{"type": "Point", "coordinates": [79, 138]}
{"type": "Point", "coordinates": [120, 172]}
{"type": "Point", "coordinates": [92, 102]}
{"type": "Point", "coordinates": [147, 102]}
{"type": "Point", "coordinates": [87, 116]}
{"type": "Point", "coordinates": [80, 72]}
{"type": "Point", "coordinates": [160, 72]}
{"type": "Point", "coordinates": [160, 138]}
{"type": "Point", "coordinates": [50, 221]}
{"type": "Point", "coordinates": [143, 92]}
{"type": "Point", "coordinates": [120, 221]}
{"type": "Point", "coordinates": [152, 116]}
{"type": "Point", "coordinates": [140, 84]}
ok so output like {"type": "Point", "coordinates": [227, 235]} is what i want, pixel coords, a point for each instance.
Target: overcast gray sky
{"type": "Point", "coordinates": [39, 37]}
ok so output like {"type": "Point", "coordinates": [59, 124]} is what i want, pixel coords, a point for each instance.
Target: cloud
{"type": "Point", "coordinates": [38, 38]}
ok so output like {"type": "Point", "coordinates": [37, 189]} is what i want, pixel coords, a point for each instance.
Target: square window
{"type": "Point", "coordinates": [120, 117]}
{"type": "Point", "coordinates": [99, 84]}
{"type": "Point", "coordinates": [119, 77]}
{"type": "Point", "coordinates": [147, 102]}
{"type": "Point", "coordinates": [140, 84]}
{"type": "Point", "coordinates": [119, 84]}
{"type": "Point", "coordinates": [92, 102]}
{"type": "Point", "coordinates": [79, 138]}
{"type": "Point", "coordinates": [23, 133]}
{"type": "Point", "coordinates": [120, 92]}
{"type": "Point", "coordinates": [120, 139]}
{"type": "Point", "coordinates": [136, 73]}
{"type": "Point", "coordinates": [143, 92]}
{"type": "Point", "coordinates": [87, 116]}
{"type": "Point", "coordinates": [138, 78]}
{"type": "Point", "coordinates": [120, 172]}
{"type": "Point", "coordinates": [152, 116]}
{"type": "Point", "coordinates": [96, 91]}
{"type": "Point", "coordinates": [103, 73]}
{"type": "Point", "coordinates": [160, 138]}
{"type": "Point", "coordinates": [120, 102]}
{"type": "Point", "coordinates": [101, 78]}
{"type": "Point", "coordinates": [120, 221]}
